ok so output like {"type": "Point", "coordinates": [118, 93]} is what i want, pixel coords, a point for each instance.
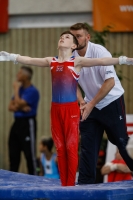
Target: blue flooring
{"type": "Point", "coordinates": [17, 186]}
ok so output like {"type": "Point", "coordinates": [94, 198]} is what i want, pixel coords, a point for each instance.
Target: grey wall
{"type": "Point", "coordinates": [49, 6]}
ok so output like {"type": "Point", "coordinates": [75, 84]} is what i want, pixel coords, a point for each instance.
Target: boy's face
{"type": "Point", "coordinates": [66, 41]}
{"type": "Point", "coordinates": [82, 36]}
{"type": "Point", "coordinates": [42, 148]}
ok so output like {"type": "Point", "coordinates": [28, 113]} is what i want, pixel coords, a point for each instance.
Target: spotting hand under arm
{"type": "Point", "coordinates": [5, 56]}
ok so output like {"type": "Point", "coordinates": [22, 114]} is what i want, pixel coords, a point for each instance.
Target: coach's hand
{"type": "Point", "coordinates": [82, 103]}
{"type": "Point", "coordinates": [86, 110]}
{"type": "Point", "coordinates": [17, 85]}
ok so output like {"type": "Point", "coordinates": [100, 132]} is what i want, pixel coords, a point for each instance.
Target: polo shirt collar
{"type": "Point", "coordinates": [88, 51]}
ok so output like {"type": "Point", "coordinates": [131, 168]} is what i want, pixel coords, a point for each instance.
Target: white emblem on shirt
{"type": "Point", "coordinates": [59, 68]}
{"type": "Point", "coordinates": [73, 116]}
{"type": "Point", "coordinates": [120, 117]}
{"type": "Point", "coordinates": [27, 138]}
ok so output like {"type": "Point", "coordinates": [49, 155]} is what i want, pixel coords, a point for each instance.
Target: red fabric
{"type": "Point", "coordinates": [3, 16]}
{"type": "Point", "coordinates": [130, 132]}
{"type": "Point", "coordinates": [101, 153]}
{"type": "Point", "coordinates": [64, 127]}
{"type": "Point", "coordinates": [117, 176]}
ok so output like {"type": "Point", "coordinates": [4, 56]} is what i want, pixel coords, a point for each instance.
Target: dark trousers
{"type": "Point", "coordinates": [22, 137]}
{"type": "Point", "coordinates": [112, 119]}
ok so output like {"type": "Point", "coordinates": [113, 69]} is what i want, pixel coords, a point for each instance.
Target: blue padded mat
{"type": "Point", "coordinates": [17, 186]}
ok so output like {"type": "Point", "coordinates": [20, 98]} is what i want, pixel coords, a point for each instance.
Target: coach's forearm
{"type": "Point", "coordinates": [105, 89]}
{"type": "Point", "coordinates": [12, 106]}
{"type": "Point", "coordinates": [16, 94]}
{"type": "Point", "coordinates": [79, 95]}
{"type": "Point", "coordinates": [20, 102]}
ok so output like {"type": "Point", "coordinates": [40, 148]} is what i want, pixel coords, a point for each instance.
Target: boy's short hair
{"type": "Point", "coordinates": [28, 70]}
{"type": "Point", "coordinates": [74, 38]}
{"type": "Point", "coordinates": [48, 142]}
{"type": "Point", "coordinates": [79, 26]}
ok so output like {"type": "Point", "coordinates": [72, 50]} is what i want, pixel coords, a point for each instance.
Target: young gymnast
{"type": "Point", "coordinates": [65, 71]}
{"type": "Point", "coordinates": [116, 170]}
{"type": "Point", "coordinates": [48, 159]}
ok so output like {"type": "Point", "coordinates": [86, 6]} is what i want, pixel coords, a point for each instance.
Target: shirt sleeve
{"type": "Point", "coordinates": [30, 96]}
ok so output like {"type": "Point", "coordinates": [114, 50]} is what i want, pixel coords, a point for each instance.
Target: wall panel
{"type": "Point", "coordinates": [41, 43]}
{"type": "Point", "coordinates": [48, 6]}
{"type": "Point", "coordinates": [121, 44]}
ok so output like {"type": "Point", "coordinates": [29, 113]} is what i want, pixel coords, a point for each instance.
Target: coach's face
{"type": "Point", "coordinates": [21, 76]}
{"type": "Point", "coordinates": [82, 36]}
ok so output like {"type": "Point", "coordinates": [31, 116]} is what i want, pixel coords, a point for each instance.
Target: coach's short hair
{"type": "Point", "coordinates": [79, 26]}
{"type": "Point", "coordinates": [28, 70]}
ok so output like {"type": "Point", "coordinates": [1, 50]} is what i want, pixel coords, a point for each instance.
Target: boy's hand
{"type": "Point", "coordinates": [125, 60]}
{"type": "Point", "coordinates": [5, 56]}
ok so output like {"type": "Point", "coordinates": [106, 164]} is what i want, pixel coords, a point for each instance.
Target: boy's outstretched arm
{"type": "Point", "coordinates": [16, 58]}
{"type": "Point", "coordinates": [89, 62]}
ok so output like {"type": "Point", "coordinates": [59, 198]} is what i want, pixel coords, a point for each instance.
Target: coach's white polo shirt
{"type": "Point", "coordinates": [92, 78]}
